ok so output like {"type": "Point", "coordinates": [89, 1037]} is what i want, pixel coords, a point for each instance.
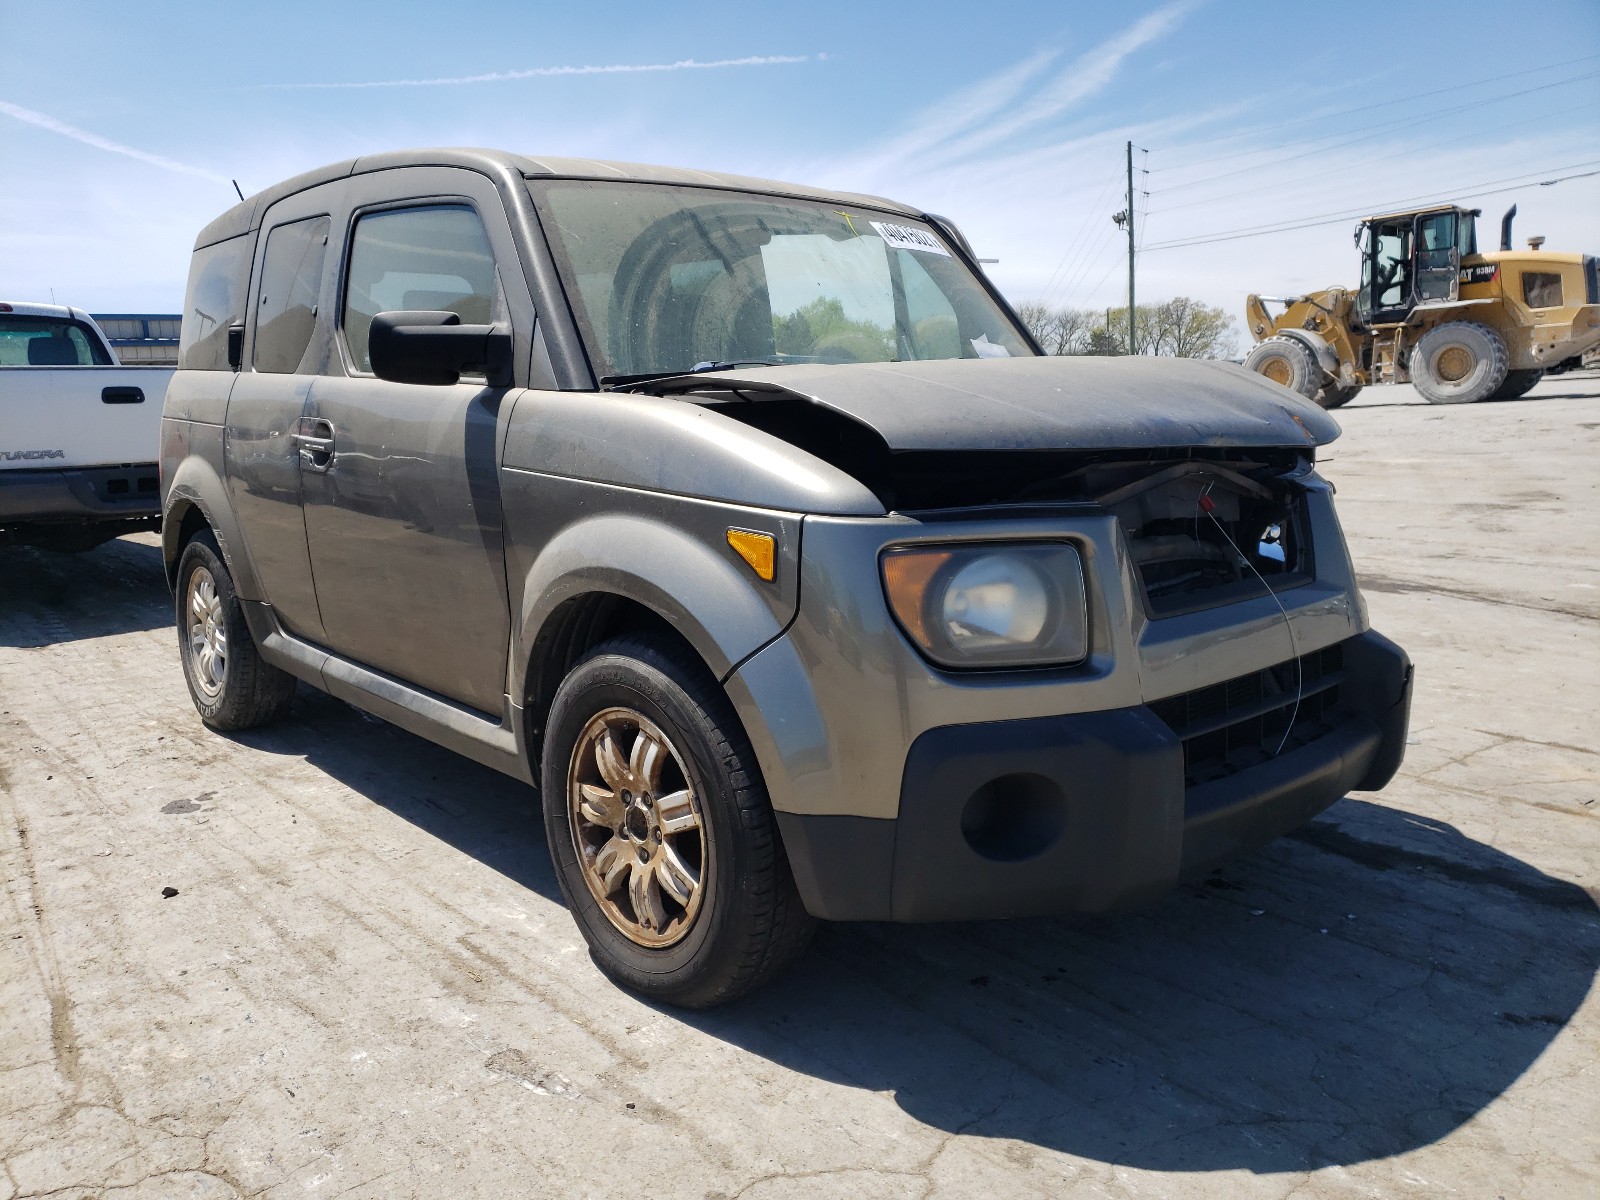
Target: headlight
{"type": "Point", "coordinates": [990, 606]}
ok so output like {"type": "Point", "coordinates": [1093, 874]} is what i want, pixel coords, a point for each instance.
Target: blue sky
{"type": "Point", "coordinates": [121, 124]}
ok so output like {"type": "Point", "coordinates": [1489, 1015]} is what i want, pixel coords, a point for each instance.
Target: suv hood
{"type": "Point", "coordinates": [1045, 403]}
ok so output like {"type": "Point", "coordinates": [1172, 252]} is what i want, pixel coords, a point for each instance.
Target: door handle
{"type": "Point", "coordinates": [313, 441]}
{"type": "Point", "coordinates": [121, 395]}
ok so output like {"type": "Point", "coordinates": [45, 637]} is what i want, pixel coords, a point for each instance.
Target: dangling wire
{"type": "Point", "coordinates": [1204, 504]}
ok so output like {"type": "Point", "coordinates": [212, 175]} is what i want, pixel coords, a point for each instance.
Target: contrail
{"type": "Point", "coordinates": [683, 64]}
{"type": "Point", "coordinates": [45, 121]}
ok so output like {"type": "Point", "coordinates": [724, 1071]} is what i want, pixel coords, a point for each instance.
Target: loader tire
{"type": "Point", "coordinates": [1459, 363]}
{"type": "Point", "coordinates": [1288, 362]}
{"type": "Point", "coordinates": [1332, 395]}
{"type": "Point", "coordinates": [1518, 383]}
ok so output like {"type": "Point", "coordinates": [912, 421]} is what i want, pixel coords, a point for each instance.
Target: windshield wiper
{"type": "Point", "coordinates": [699, 368]}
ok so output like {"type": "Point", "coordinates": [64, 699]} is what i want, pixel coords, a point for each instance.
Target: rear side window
{"type": "Point", "coordinates": [218, 277]}
{"type": "Point", "coordinates": [48, 342]}
{"type": "Point", "coordinates": [291, 280]}
{"type": "Point", "coordinates": [1541, 290]}
{"type": "Point", "coordinates": [435, 258]}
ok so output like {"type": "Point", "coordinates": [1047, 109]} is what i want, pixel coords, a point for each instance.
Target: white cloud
{"type": "Point", "coordinates": [44, 121]}
{"type": "Point", "coordinates": [683, 64]}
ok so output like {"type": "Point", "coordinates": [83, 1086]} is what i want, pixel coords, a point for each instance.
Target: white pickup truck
{"type": "Point", "coordinates": [78, 432]}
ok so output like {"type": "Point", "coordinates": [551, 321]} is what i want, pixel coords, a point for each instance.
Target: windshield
{"type": "Point", "coordinates": [664, 279]}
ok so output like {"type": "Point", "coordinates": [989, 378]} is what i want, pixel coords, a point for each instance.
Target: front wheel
{"type": "Point", "coordinates": [661, 832]}
{"type": "Point", "coordinates": [231, 685]}
{"type": "Point", "coordinates": [1289, 362]}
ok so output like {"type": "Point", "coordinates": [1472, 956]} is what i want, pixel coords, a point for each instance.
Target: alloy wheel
{"type": "Point", "coordinates": [637, 827]}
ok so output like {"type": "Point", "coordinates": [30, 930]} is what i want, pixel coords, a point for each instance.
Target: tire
{"type": "Point", "coordinates": [1289, 362]}
{"type": "Point", "coordinates": [231, 686]}
{"type": "Point", "coordinates": [669, 857]}
{"type": "Point", "coordinates": [1334, 395]}
{"type": "Point", "coordinates": [1459, 363]}
{"type": "Point", "coordinates": [1518, 383]}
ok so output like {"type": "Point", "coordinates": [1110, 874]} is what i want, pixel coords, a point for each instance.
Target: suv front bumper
{"type": "Point", "coordinates": [1089, 811]}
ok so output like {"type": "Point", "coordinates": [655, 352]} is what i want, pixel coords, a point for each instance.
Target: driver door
{"type": "Point", "coordinates": [1438, 259]}
{"type": "Point", "coordinates": [400, 481]}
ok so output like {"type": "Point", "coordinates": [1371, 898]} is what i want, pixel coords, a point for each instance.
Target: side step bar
{"type": "Point", "coordinates": [451, 725]}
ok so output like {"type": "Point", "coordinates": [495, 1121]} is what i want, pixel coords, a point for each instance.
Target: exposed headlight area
{"type": "Point", "coordinates": [984, 606]}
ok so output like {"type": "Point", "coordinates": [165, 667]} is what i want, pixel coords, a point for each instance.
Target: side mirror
{"type": "Point", "coordinates": [436, 348]}
{"type": "Point", "coordinates": [235, 346]}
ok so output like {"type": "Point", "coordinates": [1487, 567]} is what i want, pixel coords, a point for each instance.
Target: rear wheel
{"type": "Point", "coordinates": [1518, 383]}
{"type": "Point", "coordinates": [660, 829]}
{"type": "Point", "coordinates": [1289, 362]}
{"type": "Point", "coordinates": [1333, 395]}
{"type": "Point", "coordinates": [231, 685]}
{"type": "Point", "coordinates": [1459, 363]}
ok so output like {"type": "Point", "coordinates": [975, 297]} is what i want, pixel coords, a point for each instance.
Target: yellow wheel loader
{"type": "Point", "coordinates": [1432, 311]}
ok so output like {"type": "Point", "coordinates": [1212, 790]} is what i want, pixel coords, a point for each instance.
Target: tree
{"type": "Point", "coordinates": [1178, 328]}
{"type": "Point", "coordinates": [1186, 328]}
{"type": "Point", "coordinates": [1057, 330]}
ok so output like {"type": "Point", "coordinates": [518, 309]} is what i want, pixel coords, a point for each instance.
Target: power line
{"type": "Point", "coordinates": [1328, 116]}
{"type": "Point", "coordinates": [1088, 250]}
{"type": "Point", "coordinates": [1081, 272]}
{"type": "Point", "coordinates": [1519, 123]}
{"type": "Point", "coordinates": [1379, 132]}
{"type": "Point", "coordinates": [1259, 231]}
{"type": "Point", "coordinates": [1080, 235]}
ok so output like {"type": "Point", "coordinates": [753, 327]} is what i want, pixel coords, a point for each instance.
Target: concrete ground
{"type": "Point", "coordinates": [367, 985]}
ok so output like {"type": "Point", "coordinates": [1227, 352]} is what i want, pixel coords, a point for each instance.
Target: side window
{"type": "Point", "coordinates": [434, 258]}
{"type": "Point", "coordinates": [291, 279]}
{"type": "Point", "coordinates": [1541, 290]}
{"type": "Point", "coordinates": [218, 277]}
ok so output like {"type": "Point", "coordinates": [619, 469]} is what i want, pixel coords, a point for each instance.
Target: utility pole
{"type": "Point", "coordinates": [1124, 220]}
{"type": "Point", "coordinates": [1132, 343]}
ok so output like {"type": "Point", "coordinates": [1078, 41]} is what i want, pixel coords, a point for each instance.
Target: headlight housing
{"type": "Point", "coordinates": [990, 605]}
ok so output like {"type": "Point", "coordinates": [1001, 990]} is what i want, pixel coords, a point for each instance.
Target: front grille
{"type": "Point", "coordinates": [1238, 724]}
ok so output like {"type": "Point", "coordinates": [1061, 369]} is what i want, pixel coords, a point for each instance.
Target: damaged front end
{"type": "Point", "coordinates": [1204, 526]}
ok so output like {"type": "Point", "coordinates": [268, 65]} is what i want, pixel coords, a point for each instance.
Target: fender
{"type": "Point", "coordinates": [700, 592]}
{"type": "Point", "coordinates": [188, 450]}
{"type": "Point", "coordinates": [1326, 358]}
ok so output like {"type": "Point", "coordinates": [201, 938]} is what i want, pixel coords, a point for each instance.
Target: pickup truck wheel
{"type": "Point", "coordinates": [229, 683]}
{"type": "Point", "coordinates": [661, 832]}
{"type": "Point", "coordinates": [1287, 361]}
{"type": "Point", "coordinates": [1460, 362]}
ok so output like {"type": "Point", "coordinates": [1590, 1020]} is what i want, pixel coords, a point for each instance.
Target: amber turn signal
{"type": "Point", "coordinates": [757, 549]}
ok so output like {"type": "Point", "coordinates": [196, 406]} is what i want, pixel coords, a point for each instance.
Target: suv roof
{"type": "Point", "coordinates": [242, 218]}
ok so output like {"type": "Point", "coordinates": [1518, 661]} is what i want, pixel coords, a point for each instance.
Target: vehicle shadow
{"type": "Point", "coordinates": [1419, 402]}
{"type": "Point", "coordinates": [478, 811]}
{"type": "Point", "coordinates": [48, 598]}
{"type": "Point", "coordinates": [1360, 988]}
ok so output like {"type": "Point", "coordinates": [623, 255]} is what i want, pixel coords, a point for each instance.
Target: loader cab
{"type": "Point", "coordinates": [1411, 259]}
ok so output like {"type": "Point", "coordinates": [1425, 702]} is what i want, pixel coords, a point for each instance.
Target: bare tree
{"type": "Point", "coordinates": [1058, 330]}
{"type": "Point", "coordinates": [1179, 328]}
{"type": "Point", "coordinates": [1188, 329]}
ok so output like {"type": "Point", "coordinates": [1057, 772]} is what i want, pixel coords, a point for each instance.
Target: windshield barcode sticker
{"type": "Point", "coordinates": [904, 237]}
